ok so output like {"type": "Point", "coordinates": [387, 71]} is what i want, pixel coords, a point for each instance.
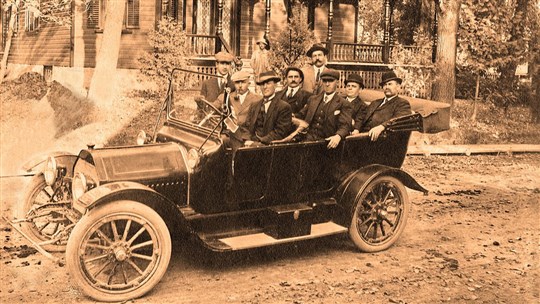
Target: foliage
{"type": "Point", "coordinates": [290, 46]}
{"type": "Point", "coordinates": [410, 18]}
{"type": "Point", "coordinates": [371, 30]}
{"type": "Point", "coordinates": [170, 49]}
{"type": "Point", "coordinates": [493, 39]}
{"type": "Point", "coordinates": [412, 65]}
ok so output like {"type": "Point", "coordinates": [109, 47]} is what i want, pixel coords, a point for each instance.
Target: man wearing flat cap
{"type": "Point", "coordinates": [241, 99]}
{"type": "Point", "coordinates": [293, 93]}
{"type": "Point", "coordinates": [380, 111]}
{"type": "Point", "coordinates": [270, 118]}
{"type": "Point", "coordinates": [312, 73]}
{"type": "Point", "coordinates": [211, 88]}
{"type": "Point", "coordinates": [353, 84]}
{"type": "Point", "coordinates": [328, 114]}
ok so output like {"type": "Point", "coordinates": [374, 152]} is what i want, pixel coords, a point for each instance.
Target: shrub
{"type": "Point", "coordinates": [170, 49]}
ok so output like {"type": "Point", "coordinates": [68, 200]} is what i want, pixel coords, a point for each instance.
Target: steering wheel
{"type": "Point", "coordinates": [212, 115]}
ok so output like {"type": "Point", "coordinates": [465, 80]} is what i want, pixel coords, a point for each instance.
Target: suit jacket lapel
{"type": "Point", "coordinates": [372, 107]}
{"type": "Point", "coordinates": [313, 108]}
{"type": "Point", "coordinates": [269, 113]}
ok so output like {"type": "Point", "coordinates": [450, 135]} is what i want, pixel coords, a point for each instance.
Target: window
{"type": "Point", "coordinates": [31, 18]}
{"type": "Point", "coordinates": [96, 11]}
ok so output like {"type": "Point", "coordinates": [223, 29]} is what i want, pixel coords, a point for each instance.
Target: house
{"type": "Point", "coordinates": [212, 25]}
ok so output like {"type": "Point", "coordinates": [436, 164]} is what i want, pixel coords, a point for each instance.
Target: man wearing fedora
{"type": "Point", "coordinates": [241, 99]}
{"type": "Point", "coordinates": [292, 92]}
{"type": "Point", "coordinates": [380, 111]}
{"type": "Point", "coordinates": [328, 114]}
{"type": "Point", "coordinates": [211, 88]}
{"type": "Point", "coordinates": [270, 118]}
{"type": "Point", "coordinates": [312, 73]}
{"type": "Point", "coordinates": [353, 84]}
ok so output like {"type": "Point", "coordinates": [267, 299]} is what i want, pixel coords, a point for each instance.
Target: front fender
{"type": "Point", "coordinates": [135, 192]}
{"type": "Point", "coordinates": [355, 183]}
{"type": "Point", "coordinates": [63, 159]}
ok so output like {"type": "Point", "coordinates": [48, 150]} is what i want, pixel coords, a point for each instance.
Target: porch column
{"type": "Point", "coordinates": [194, 17]}
{"type": "Point", "coordinates": [219, 27]}
{"type": "Point", "coordinates": [267, 20]}
{"type": "Point", "coordinates": [435, 37]}
{"type": "Point", "coordinates": [329, 42]}
{"type": "Point", "coordinates": [386, 37]}
{"type": "Point", "coordinates": [311, 15]}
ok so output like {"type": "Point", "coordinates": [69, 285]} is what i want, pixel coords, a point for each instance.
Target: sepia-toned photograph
{"type": "Point", "coordinates": [270, 151]}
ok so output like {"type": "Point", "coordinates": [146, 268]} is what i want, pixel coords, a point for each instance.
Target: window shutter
{"type": "Point", "coordinates": [132, 14]}
{"type": "Point", "coordinates": [93, 14]}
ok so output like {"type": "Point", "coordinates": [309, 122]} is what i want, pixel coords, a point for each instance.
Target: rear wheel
{"type": "Point", "coordinates": [380, 214]}
{"type": "Point", "coordinates": [118, 251]}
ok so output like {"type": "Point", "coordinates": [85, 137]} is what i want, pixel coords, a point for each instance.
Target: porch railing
{"type": "Point", "coordinates": [202, 45]}
{"type": "Point", "coordinates": [374, 53]}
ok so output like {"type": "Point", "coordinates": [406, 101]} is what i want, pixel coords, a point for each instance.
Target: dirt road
{"type": "Point", "coordinates": [474, 239]}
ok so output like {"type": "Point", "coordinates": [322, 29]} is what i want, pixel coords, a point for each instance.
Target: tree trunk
{"type": "Point", "coordinates": [475, 103]}
{"type": "Point", "coordinates": [444, 84]}
{"type": "Point", "coordinates": [13, 14]}
{"type": "Point", "coordinates": [102, 85]}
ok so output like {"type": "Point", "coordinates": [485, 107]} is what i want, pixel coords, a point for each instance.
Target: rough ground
{"type": "Point", "coordinates": [474, 239]}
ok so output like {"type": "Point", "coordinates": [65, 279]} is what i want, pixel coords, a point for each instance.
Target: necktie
{"type": "Point", "coordinates": [318, 75]}
{"type": "Point", "coordinates": [290, 94]}
{"type": "Point", "coordinates": [221, 82]}
{"type": "Point", "coordinates": [325, 98]}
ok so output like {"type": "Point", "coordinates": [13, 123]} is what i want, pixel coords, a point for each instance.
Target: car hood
{"type": "Point", "coordinates": [145, 164]}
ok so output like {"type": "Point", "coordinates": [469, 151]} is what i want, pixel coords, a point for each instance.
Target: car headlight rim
{"type": "Point", "coordinates": [50, 173]}
{"type": "Point", "coordinates": [79, 185]}
{"type": "Point", "coordinates": [193, 158]}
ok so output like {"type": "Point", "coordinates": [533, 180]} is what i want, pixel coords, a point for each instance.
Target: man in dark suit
{"type": "Point", "coordinates": [380, 111]}
{"type": "Point", "coordinates": [312, 73]}
{"type": "Point", "coordinates": [270, 118]}
{"type": "Point", "coordinates": [353, 85]}
{"type": "Point", "coordinates": [241, 99]}
{"type": "Point", "coordinates": [211, 88]}
{"type": "Point", "coordinates": [293, 93]}
{"type": "Point", "coordinates": [328, 114]}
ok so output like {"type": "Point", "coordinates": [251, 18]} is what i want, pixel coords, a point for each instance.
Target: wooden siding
{"type": "Point", "coordinates": [50, 44]}
{"type": "Point", "coordinates": [133, 42]}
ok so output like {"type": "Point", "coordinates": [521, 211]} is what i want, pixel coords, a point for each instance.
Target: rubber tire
{"type": "Point", "coordinates": [95, 215]}
{"type": "Point", "coordinates": [37, 183]}
{"type": "Point", "coordinates": [357, 239]}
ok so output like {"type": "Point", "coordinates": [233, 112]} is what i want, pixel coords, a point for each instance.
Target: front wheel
{"type": "Point", "coordinates": [379, 215]}
{"type": "Point", "coordinates": [118, 251]}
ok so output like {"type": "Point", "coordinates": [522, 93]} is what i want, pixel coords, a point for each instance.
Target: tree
{"type": "Point", "coordinates": [444, 74]}
{"type": "Point", "coordinates": [290, 46]}
{"type": "Point", "coordinates": [54, 12]}
{"type": "Point", "coordinates": [102, 84]}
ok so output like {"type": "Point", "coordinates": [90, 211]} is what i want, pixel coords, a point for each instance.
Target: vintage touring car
{"type": "Point", "coordinates": [119, 205]}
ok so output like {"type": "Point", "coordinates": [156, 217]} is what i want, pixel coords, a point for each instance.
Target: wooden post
{"type": "Point", "coordinates": [329, 42]}
{"type": "Point", "coordinates": [194, 17]}
{"type": "Point", "coordinates": [435, 29]}
{"type": "Point", "coordinates": [386, 37]}
{"type": "Point", "coordinates": [219, 28]}
{"type": "Point", "coordinates": [311, 15]}
{"type": "Point", "coordinates": [267, 20]}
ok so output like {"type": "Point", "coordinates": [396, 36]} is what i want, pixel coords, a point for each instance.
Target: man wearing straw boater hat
{"type": "Point", "coordinates": [380, 111]}
{"type": "Point", "coordinates": [269, 119]}
{"type": "Point", "coordinates": [312, 73]}
{"type": "Point", "coordinates": [328, 114]}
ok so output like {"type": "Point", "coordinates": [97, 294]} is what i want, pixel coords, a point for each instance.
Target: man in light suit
{"type": "Point", "coordinates": [241, 99]}
{"type": "Point", "coordinates": [270, 118]}
{"type": "Point", "coordinates": [312, 73]}
{"type": "Point", "coordinates": [328, 114]}
{"type": "Point", "coordinates": [293, 93]}
{"type": "Point", "coordinates": [211, 88]}
{"type": "Point", "coordinates": [380, 111]}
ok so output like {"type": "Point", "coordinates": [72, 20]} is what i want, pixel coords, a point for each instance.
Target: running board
{"type": "Point", "coordinates": [263, 239]}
